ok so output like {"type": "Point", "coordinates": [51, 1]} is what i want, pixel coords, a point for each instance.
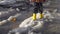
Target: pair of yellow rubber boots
{"type": "Point", "coordinates": [34, 16]}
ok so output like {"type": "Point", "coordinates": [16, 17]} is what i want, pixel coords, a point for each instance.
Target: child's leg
{"type": "Point", "coordinates": [35, 11]}
{"type": "Point", "coordinates": [41, 10]}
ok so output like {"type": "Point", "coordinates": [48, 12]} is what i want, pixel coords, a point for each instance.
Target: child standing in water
{"type": "Point", "coordinates": [38, 7]}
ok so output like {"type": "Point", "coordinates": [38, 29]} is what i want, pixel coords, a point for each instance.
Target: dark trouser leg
{"type": "Point", "coordinates": [35, 10]}
{"type": "Point", "coordinates": [36, 7]}
{"type": "Point", "coordinates": [41, 10]}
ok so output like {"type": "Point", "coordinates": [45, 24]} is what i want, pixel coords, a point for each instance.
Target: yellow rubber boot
{"type": "Point", "coordinates": [41, 16]}
{"type": "Point", "coordinates": [34, 16]}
